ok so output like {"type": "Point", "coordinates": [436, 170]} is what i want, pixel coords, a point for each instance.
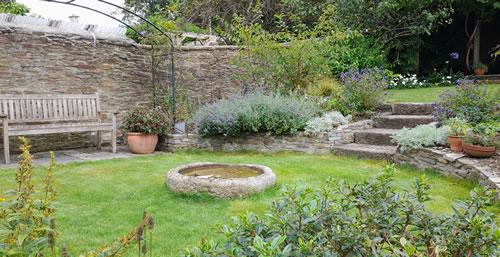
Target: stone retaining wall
{"type": "Point", "coordinates": [485, 171]}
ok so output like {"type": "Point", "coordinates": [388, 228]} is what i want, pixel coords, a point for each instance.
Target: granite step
{"type": "Point", "coordinates": [375, 136]}
{"type": "Point", "coordinates": [412, 108]}
{"type": "Point", "coordinates": [401, 121]}
{"type": "Point", "coordinates": [383, 152]}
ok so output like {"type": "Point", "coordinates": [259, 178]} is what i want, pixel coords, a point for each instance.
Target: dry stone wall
{"type": "Point", "coordinates": [41, 62]}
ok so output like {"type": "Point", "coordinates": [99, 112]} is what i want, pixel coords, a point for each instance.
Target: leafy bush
{"type": "Point", "coordinates": [257, 112]}
{"type": "Point", "coordinates": [369, 218]}
{"type": "Point", "coordinates": [362, 91]}
{"type": "Point", "coordinates": [469, 101]}
{"type": "Point", "coordinates": [420, 136]}
{"type": "Point", "coordinates": [457, 127]}
{"type": "Point", "coordinates": [144, 119]}
{"type": "Point", "coordinates": [13, 8]}
{"type": "Point", "coordinates": [325, 123]}
{"type": "Point", "coordinates": [27, 223]}
{"type": "Point", "coordinates": [483, 134]}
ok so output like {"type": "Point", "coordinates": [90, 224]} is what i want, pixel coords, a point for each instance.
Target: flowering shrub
{"type": "Point", "coordinates": [325, 123]}
{"type": "Point", "coordinates": [420, 136]}
{"type": "Point", "coordinates": [406, 81]}
{"type": "Point", "coordinates": [370, 218]}
{"type": "Point", "coordinates": [146, 120]}
{"type": "Point", "coordinates": [468, 101]}
{"type": "Point", "coordinates": [257, 112]}
{"type": "Point", "coordinates": [362, 91]}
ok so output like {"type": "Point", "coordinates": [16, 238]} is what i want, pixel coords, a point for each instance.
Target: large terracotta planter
{"type": "Point", "coordinates": [479, 151]}
{"type": "Point", "coordinates": [141, 143]}
{"type": "Point", "coordinates": [479, 71]}
{"type": "Point", "coordinates": [455, 143]}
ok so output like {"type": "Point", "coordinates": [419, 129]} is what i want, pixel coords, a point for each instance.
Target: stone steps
{"type": "Point", "coordinates": [401, 121]}
{"type": "Point", "coordinates": [375, 136]}
{"type": "Point", "coordinates": [366, 151]}
{"type": "Point", "coordinates": [412, 109]}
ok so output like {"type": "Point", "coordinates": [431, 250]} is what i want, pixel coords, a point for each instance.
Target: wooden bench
{"type": "Point", "coordinates": [50, 114]}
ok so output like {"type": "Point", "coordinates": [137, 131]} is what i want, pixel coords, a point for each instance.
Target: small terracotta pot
{"type": "Point", "coordinates": [141, 143]}
{"type": "Point", "coordinates": [479, 71]}
{"type": "Point", "coordinates": [455, 143]}
{"type": "Point", "coordinates": [479, 151]}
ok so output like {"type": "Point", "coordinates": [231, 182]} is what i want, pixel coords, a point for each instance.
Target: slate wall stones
{"type": "Point", "coordinates": [39, 62]}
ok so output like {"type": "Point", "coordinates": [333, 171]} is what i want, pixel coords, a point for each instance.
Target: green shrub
{"type": "Point", "coordinates": [257, 112]}
{"type": "Point", "coordinates": [369, 218]}
{"type": "Point", "coordinates": [420, 136]}
{"type": "Point", "coordinates": [457, 127]}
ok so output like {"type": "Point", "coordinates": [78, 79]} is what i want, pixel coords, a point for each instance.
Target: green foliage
{"type": "Point", "coordinates": [483, 134]}
{"type": "Point", "coordinates": [326, 123]}
{"type": "Point", "coordinates": [420, 136]}
{"type": "Point", "coordinates": [257, 112]}
{"type": "Point", "coordinates": [468, 100]}
{"type": "Point", "coordinates": [285, 68]}
{"type": "Point", "coordinates": [369, 218]}
{"type": "Point", "coordinates": [13, 8]}
{"type": "Point", "coordinates": [457, 127]}
{"type": "Point", "coordinates": [480, 65]}
{"type": "Point", "coordinates": [27, 223]}
{"type": "Point", "coordinates": [361, 92]}
{"type": "Point", "coordinates": [145, 119]}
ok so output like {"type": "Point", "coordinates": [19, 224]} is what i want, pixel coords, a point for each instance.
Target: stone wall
{"type": "Point", "coordinates": [41, 62]}
{"type": "Point", "coordinates": [485, 171]}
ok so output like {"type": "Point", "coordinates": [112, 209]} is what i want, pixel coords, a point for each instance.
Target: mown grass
{"type": "Point", "coordinates": [427, 95]}
{"type": "Point", "coordinates": [99, 201]}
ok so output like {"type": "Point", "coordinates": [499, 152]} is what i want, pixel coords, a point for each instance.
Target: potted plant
{"type": "Point", "coordinates": [480, 69]}
{"type": "Point", "coordinates": [480, 141]}
{"type": "Point", "coordinates": [143, 125]}
{"type": "Point", "coordinates": [457, 129]}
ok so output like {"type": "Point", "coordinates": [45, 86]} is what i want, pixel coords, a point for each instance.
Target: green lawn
{"type": "Point", "coordinates": [100, 201]}
{"type": "Point", "coordinates": [426, 95]}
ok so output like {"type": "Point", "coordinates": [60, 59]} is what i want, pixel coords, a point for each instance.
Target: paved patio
{"type": "Point", "coordinates": [73, 155]}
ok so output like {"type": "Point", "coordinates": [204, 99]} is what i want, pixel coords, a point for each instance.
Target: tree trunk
{"type": "Point", "coordinates": [477, 44]}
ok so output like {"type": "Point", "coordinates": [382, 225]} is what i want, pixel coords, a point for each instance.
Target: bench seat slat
{"type": "Point", "coordinates": [58, 128]}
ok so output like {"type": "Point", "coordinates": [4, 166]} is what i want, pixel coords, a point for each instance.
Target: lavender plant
{"type": "Point", "coordinates": [468, 100]}
{"type": "Point", "coordinates": [257, 112]}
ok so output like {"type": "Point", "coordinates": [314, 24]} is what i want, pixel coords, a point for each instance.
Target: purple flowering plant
{"type": "Point", "coordinates": [468, 100]}
{"type": "Point", "coordinates": [362, 91]}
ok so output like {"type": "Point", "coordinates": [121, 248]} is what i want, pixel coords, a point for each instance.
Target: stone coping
{"type": "Point", "coordinates": [219, 187]}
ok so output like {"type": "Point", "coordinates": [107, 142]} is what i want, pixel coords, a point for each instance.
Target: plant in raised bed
{"type": "Point", "coordinates": [420, 136]}
{"type": "Point", "coordinates": [457, 129]}
{"type": "Point", "coordinates": [143, 125]}
{"type": "Point", "coordinates": [480, 140]}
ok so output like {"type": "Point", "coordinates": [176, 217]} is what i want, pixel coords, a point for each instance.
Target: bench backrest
{"type": "Point", "coordinates": [49, 108]}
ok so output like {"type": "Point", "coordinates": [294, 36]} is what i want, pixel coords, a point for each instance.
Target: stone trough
{"type": "Point", "coordinates": [220, 180]}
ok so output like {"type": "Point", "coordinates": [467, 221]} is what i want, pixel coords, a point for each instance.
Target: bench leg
{"type": "Point", "coordinates": [6, 149]}
{"type": "Point", "coordinates": [113, 134]}
{"type": "Point", "coordinates": [98, 138]}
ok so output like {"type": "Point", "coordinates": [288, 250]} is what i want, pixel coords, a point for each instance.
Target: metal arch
{"type": "Point", "coordinates": [172, 43]}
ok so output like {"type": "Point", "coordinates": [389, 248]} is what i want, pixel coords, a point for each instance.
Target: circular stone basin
{"type": "Point", "coordinates": [220, 180]}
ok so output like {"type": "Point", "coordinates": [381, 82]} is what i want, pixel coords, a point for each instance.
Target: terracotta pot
{"type": "Point", "coordinates": [141, 143]}
{"type": "Point", "coordinates": [479, 71]}
{"type": "Point", "coordinates": [479, 151]}
{"type": "Point", "coordinates": [455, 143]}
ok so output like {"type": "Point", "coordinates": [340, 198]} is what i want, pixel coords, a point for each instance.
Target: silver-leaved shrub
{"type": "Point", "coordinates": [325, 123]}
{"type": "Point", "coordinates": [420, 136]}
{"type": "Point", "coordinates": [370, 218]}
{"type": "Point", "coordinates": [257, 112]}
